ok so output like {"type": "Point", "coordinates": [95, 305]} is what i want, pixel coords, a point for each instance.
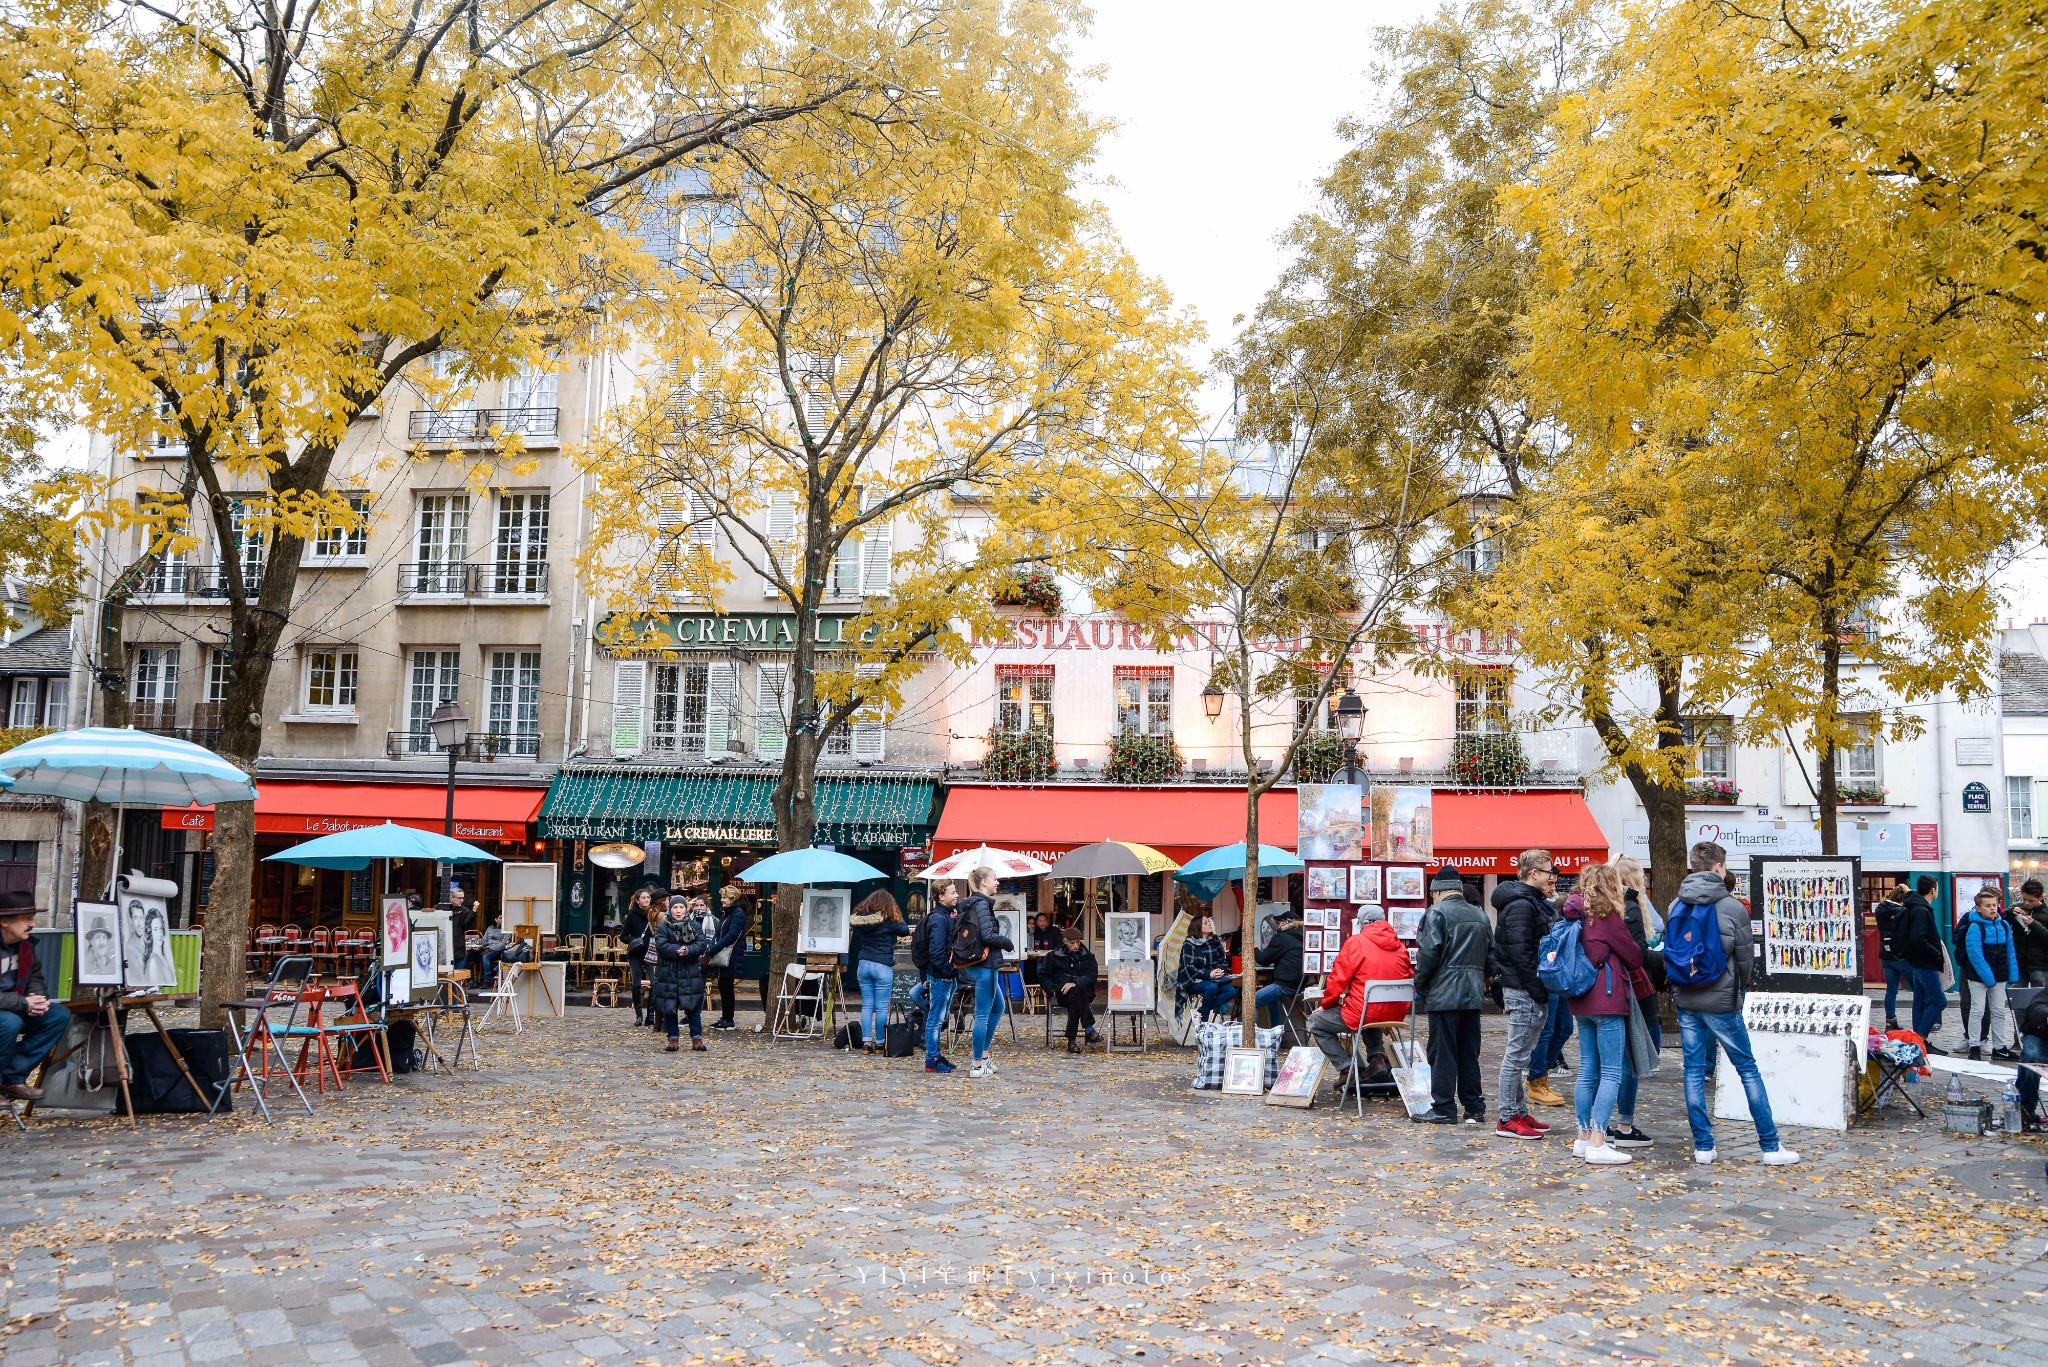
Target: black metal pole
{"type": "Point", "coordinates": [448, 829]}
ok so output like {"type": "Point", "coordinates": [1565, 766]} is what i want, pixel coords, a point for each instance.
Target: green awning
{"type": "Point", "coordinates": [724, 807]}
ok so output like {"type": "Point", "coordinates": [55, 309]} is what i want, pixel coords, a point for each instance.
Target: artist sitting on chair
{"type": "Point", "coordinates": [30, 1023]}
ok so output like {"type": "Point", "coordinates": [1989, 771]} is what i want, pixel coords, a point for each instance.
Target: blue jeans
{"type": "Point", "coordinates": [1894, 973]}
{"type": "Point", "coordinates": [1557, 1028]}
{"type": "Point", "coordinates": [1272, 1003]}
{"type": "Point", "coordinates": [673, 1022]}
{"type": "Point", "coordinates": [988, 1007]}
{"type": "Point", "coordinates": [2032, 1050]}
{"type": "Point", "coordinates": [1603, 1063]}
{"type": "Point", "coordinates": [938, 994]}
{"type": "Point", "coordinates": [1218, 998]}
{"type": "Point", "coordinates": [26, 1041]}
{"type": "Point", "coordinates": [1928, 1001]}
{"type": "Point", "coordinates": [875, 982]}
{"type": "Point", "coordinates": [1700, 1035]}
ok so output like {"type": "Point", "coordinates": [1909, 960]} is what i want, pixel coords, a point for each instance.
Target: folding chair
{"type": "Point", "coordinates": [504, 998]}
{"type": "Point", "coordinates": [353, 1022]}
{"type": "Point", "coordinates": [251, 1026]}
{"type": "Point", "coordinates": [1379, 994]}
{"type": "Point", "coordinates": [802, 985]}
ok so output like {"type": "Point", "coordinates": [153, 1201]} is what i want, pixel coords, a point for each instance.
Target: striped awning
{"type": "Point", "coordinates": [703, 806]}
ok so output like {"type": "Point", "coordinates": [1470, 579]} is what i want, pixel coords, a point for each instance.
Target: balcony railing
{"type": "Point", "coordinates": [490, 579]}
{"type": "Point", "coordinates": [160, 717]}
{"type": "Point", "coordinates": [167, 580]}
{"type": "Point", "coordinates": [211, 581]}
{"type": "Point", "coordinates": [483, 746]}
{"type": "Point", "coordinates": [481, 426]}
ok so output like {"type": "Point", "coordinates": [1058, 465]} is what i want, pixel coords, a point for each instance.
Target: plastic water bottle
{"type": "Point", "coordinates": [1954, 1094]}
{"type": "Point", "coordinates": [2009, 1111]}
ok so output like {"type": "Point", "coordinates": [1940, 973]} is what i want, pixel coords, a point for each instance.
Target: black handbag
{"type": "Point", "coordinates": [158, 1088]}
{"type": "Point", "coordinates": [902, 1039]}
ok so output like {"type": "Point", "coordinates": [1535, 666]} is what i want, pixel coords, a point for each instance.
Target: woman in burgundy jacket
{"type": "Point", "coordinates": [1602, 1010]}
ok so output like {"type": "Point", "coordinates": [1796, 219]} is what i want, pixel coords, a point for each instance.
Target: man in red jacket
{"type": "Point", "coordinates": [1374, 954]}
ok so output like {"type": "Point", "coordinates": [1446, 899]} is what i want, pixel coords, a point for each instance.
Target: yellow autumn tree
{"type": "Point", "coordinates": [1817, 296]}
{"type": "Point", "coordinates": [888, 359]}
{"type": "Point", "coordinates": [234, 226]}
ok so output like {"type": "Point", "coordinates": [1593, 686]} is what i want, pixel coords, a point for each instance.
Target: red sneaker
{"type": "Point", "coordinates": [1533, 1123]}
{"type": "Point", "coordinates": [1518, 1128]}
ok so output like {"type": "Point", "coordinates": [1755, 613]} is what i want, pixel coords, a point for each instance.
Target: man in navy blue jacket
{"type": "Point", "coordinates": [931, 949]}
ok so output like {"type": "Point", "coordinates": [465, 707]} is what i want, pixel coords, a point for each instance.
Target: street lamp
{"type": "Point", "coordinates": [1350, 726]}
{"type": "Point", "coordinates": [450, 725]}
{"type": "Point", "coordinates": [1212, 700]}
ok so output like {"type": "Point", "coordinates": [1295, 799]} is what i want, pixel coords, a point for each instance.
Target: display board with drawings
{"type": "Point", "coordinates": [1809, 1047]}
{"type": "Point", "coordinates": [1811, 936]}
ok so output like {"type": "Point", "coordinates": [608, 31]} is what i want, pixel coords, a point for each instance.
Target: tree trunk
{"type": "Point", "coordinates": [1831, 696]}
{"type": "Point", "coordinates": [255, 630]}
{"type": "Point", "coordinates": [796, 824]}
{"type": "Point", "coordinates": [1248, 934]}
{"type": "Point", "coordinates": [1663, 805]}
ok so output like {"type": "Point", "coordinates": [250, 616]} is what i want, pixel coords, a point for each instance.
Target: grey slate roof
{"type": "Point", "coordinates": [2023, 684]}
{"type": "Point", "coordinates": [47, 651]}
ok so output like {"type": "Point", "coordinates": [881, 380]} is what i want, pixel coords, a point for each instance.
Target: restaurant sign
{"type": "Point", "coordinates": [627, 634]}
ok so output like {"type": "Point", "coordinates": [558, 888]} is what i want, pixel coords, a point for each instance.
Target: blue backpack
{"type": "Point", "coordinates": [1561, 961]}
{"type": "Point", "coordinates": [1693, 953]}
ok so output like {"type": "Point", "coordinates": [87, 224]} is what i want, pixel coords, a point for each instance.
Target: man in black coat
{"type": "Point", "coordinates": [1890, 916]}
{"type": "Point", "coordinates": [1920, 947]}
{"type": "Point", "coordinates": [1282, 954]}
{"type": "Point", "coordinates": [1523, 915]}
{"type": "Point", "coordinates": [1069, 974]}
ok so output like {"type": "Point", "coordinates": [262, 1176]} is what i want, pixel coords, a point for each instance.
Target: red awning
{"type": "Point", "coordinates": [1483, 832]}
{"type": "Point", "coordinates": [1047, 822]}
{"type": "Point", "coordinates": [284, 807]}
{"type": "Point", "coordinates": [1477, 833]}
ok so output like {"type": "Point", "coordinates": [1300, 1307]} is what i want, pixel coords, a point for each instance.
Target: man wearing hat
{"type": "Point", "coordinates": [1452, 947]}
{"type": "Point", "coordinates": [30, 1023]}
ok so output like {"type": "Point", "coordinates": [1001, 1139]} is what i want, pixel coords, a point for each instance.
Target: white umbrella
{"type": "Point", "coordinates": [1006, 863]}
{"type": "Point", "coordinates": [124, 767]}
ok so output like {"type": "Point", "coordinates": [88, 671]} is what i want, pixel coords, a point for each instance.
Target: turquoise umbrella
{"type": "Point", "coordinates": [811, 866]}
{"type": "Point", "coordinates": [356, 849]}
{"type": "Point", "coordinates": [123, 767]}
{"type": "Point", "coordinates": [1208, 872]}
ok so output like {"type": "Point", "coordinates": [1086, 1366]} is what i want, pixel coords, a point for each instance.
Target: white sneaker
{"type": "Point", "coordinates": [1578, 1148]}
{"type": "Point", "coordinates": [981, 1070]}
{"type": "Point", "coordinates": [1779, 1158]}
{"type": "Point", "coordinates": [1704, 1156]}
{"type": "Point", "coordinates": [1607, 1155]}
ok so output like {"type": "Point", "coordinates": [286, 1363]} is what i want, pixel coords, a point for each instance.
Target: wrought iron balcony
{"type": "Point", "coordinates": [488, 579]}
{"type": "Point", "coordinates": [211, 581]}
{"type": "Point", "coordinates": [482, 426]}
{"type": "Point", "coordinates": [481, 747]}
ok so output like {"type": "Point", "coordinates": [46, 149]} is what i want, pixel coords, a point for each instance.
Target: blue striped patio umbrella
{"type": "Point", "coordinates": [123, 767]}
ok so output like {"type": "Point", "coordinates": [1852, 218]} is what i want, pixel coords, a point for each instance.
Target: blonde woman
{"type": "Point", "coordinates": [1601, 1011]}
{"type": "Point", "coordinates": [1643, 927]}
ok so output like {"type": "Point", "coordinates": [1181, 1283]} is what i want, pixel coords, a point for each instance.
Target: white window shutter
{"type": "Point", "coordinates": [771, 707]}
{"type": "Point", "coordinates": [781, 530]}
{"type": "Point", "coordinates": [876, 550]}
{"type": "Point", "coordinates": [701, 525]}
{"type": "Point", "coordinates": [846, 568]}
{"type": "Point", "coordinates": [869, 738]}
{"type": "Point", "coordinates": [721, 705]}
{"type": "Point", "coordinates": [629, 707]}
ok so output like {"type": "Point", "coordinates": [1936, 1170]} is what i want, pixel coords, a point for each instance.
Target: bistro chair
{"type": "Point", "coordinates": [579, 956]}
{"type": "Point", "coordinates": [1396, 1032]}
{"type": "Point", "coordinates": [253, 1025]}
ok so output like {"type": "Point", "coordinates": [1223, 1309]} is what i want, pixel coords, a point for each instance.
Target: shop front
{"type": "Point", "coordinates": [1480, 834]}
{"type": "Point", "coordinates": [498, 818]}
{"type": "Point", "coordinates": [696, 828]}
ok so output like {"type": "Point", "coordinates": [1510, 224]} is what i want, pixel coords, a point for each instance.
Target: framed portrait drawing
{"type": "Point", "coordinates": [1126, 937]}
{"type": "Point", "coordinates": [424, 962]}
{"type": "Point", "coordinates": [1013, 922]}
{"type": "Point", "coordinates": [99, 944]}
{"type": "Point", "coordinates": [1327, 885]}
{"type": "Point", "coordinates": [396, 931]}
{"type": "Point", "coordinates": [1130, 985]}
{"type": "Point", "coordinates": [1404, 883]}
{"type": "Point", "coordinates": [1365, 883]}
{"type": "Point", "coordinates": [146, 941]}
{"type": "Point", "coordinates": [823, 927]}
{"type": "Point", "coordinates": [1244, 1072]}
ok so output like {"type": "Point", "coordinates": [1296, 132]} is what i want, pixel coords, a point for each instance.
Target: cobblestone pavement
{"type": "Point", "coordinates": [588, 1198]}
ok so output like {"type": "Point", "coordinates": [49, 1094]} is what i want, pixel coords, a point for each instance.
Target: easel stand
{"type": "Point", "coordinates": [110, 1010]}
{"type": "Point", "coordinates": [1138, 1043]}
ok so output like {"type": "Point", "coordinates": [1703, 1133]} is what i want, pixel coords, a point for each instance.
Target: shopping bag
{"type": "Point", "coordinates": [1642, 1050]}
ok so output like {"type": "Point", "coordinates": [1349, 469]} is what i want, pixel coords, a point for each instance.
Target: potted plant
{"type": "Point", "coordinates": [1034, 588]}
{"type": "Point", "coordinates": [1861, 794]}
{"type": "Point", "coordinates": [1019, 756]}
{"type": "Point", "coordinates": [1138, 758]}
{"type": "Point", "coordinates": [1489, 761]}
{"type": "Point", "coordinates": [1712, 792]}
{"type": "Point", "coordinates": [1320, 758]}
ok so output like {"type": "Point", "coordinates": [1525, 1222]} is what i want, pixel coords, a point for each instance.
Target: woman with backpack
{"type": "Point", "coordinates": [679, 944]}
{"type": "Point", "coordinates": [978, 948]}
{"type": "Point", "coordinates": [1600, 1011]}
{"type": "Point", "coordinates": [877, 924]}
